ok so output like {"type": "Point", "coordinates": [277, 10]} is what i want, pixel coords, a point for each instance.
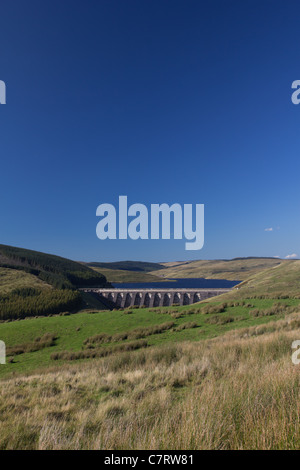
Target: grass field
{"type": "Point", "coordinates": [213, 375]}
{"type": "Point", "coordinates": [236, 391]}
{"type": "Point", "coordinates": [72, 330]}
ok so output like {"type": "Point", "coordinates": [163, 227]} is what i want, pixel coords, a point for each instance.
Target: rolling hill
{"type": "Point", "coordinates": [59, 272]}
{"type": "Point", "coordinates": [34, 283]}
{"type": "Point", "coordinates": [237, 269]}
{"type": "Point", "coordinates": [282, 280]}
{"type": "Point", "coordinates": [138, 266]}
{"type": "Point", "coordinates": [122, 275]}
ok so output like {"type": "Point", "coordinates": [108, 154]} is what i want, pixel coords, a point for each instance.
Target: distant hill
{"type": "Point", "coordinates": [59, 272]}
{"type": "Point", "coordinates": [139, 266]}
{"type": "Point", "coordinates": [237, 269]}
{"type": "Point", "coordinates": [122, 275]}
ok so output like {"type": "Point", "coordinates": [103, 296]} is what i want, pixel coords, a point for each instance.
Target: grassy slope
{"type": "Point", "coordinates": [11, 279]}
{"type": "Point", "coordinates": [236, 269]}
{"type": "Point", "coordinates": [74, 329]}
{"type": "Point", "coordinates": [57, 271]}
{"type": "Point", "coordinates": [277, 281]}
{"type": "Point", "coordinates": [239, 391]}
{"type": "Point", "coordinates": [283, 279]}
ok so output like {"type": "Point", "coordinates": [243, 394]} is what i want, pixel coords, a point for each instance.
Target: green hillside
{"type": "Point", "coordinates": [237, 269]}
{"type": "Point", "coordinates": [87, 335]}
{"type": "Point", "coordinates": [34, 283]}
{"type": "Point", "coordinates": [60, 272]}
{"type": "Point", "coordinates": [279, 281]}
{"type": "Point", "coordinates": [11, 279]}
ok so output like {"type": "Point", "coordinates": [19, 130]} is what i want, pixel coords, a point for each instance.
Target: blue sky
{"type": "Point", "coordinates": [162, 101]}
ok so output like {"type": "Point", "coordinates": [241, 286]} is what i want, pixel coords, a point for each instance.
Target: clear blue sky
{"type": "Point", "coordinates": [162, 101]}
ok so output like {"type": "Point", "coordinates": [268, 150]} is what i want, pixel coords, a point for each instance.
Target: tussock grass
{"type": "Point", "coordinates": [186, 326]}
{"type": "Point", "coordinates": [45, 341]}
{"type": "Point", "coordinates": [276, 309]}
{"type": "Point", "coordinates": [137, 333]}
{"type": "Point", "coordinates": [237, 391]}
{"type": "Point", "coordinates": [98, 352]}
{"type": "Point", "coordinates": [219, 319]}
{"type": "Point", "coordinates": [207, 309]}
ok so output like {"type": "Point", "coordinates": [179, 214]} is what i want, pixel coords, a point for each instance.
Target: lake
{"type": "Point", "coordinates": [185, 283]}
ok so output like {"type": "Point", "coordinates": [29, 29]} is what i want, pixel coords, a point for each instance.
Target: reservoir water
{"type": "Point", "coordinates": [184, 283]}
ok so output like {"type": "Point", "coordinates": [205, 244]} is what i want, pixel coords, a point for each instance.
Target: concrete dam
{"type": "Point", "coordinates": [122, 298]}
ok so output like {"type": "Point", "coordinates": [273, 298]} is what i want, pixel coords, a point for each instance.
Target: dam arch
{"type": "Point", "coordinates": [123, 298]}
